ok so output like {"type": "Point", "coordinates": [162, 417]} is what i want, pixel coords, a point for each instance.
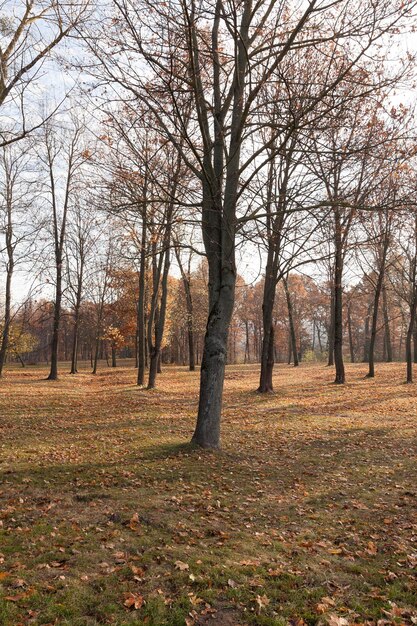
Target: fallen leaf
{"type": "Point", "coordinates": [262, 602]}
{"type": "Point", "coordinates": [335, 620]}
{"type": "Point", "coordinates": [133, 601]}
{"type": "Point", "coordinates": [371, 549]}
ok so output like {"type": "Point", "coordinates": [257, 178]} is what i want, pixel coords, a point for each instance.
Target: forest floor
{"type": "Point", "coordinates": [307, 515]}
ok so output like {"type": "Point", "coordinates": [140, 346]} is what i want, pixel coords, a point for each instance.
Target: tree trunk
{"type": "Point", "coordinates": [141, 356]}
{"type": "Point", "coordinates": [247, 344]}
{"type": "Point", "coordinates": [371, 372]}
{"type": "Point", "coordinates": [319, 339]}
{"type": "Point", "coordinates": [74, 369]}
{"type": "Point", "coordinates": [113, 357]}
{"type": "Point", "coordinates": [207, 431]}
{"type": "Point", "coordinates": [191, 359]}
{"type": "Point", "coordinates": [7, 308]}
{"type": "Point", "coordinates": [155, 348]}
{"type": "Point", "coordinates": [96, 351]}
{"type": "Point", "coordinates": [293, 338]}
{"type": "Point", "coordinates": [366, 336]}
{"type": "Point", "coordinates": [408, 350]}
{"type": "Point", "coordinates": [351, 344]}
{"type": "Point", "coordinates": [330, 360]}
{"type": "Point", "coordinates": [53, 374]}
{"type": "Point", "coordinates": [338, 306]}
{"type": "Point", "coordinates": [190, 311]}
{"type": "Point", "coordinates": [267, 349]}
{"type": "Point", "coordinates": [74, 356]}
{"type": "Point", "coordinates": [388, 345]}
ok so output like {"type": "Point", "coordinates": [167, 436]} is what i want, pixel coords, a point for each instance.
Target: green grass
{"type": "Point", "coordinates": [307, 515]}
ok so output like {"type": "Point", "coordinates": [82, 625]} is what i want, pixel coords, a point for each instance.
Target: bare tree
{"type": "Point", "coordinates": [18, 224]}
{"type": "Point", "coordinates": [62, 157]}
{"type": "Point", "coordinates": [30, 30]}
{"type": "Point", "coordinates": [219, 57]}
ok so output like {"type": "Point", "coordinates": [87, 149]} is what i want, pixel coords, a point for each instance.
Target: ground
{"type": "Point", "coordinates": [307, 515]}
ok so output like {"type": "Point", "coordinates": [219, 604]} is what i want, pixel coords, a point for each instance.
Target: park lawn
{"type": "Point", "coordinates": [307, 515]}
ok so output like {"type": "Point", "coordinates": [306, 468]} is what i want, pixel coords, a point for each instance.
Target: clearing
{"type": "Point", "coordinates": [307, 515]}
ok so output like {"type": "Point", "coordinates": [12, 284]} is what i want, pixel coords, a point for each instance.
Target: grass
{"type": "Point", "coordinates": [306, 516]}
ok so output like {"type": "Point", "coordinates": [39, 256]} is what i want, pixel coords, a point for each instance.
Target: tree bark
{"type": "Point", "coordinates": [330, 360]}
{"type": "Point", "coordinates": [293, 338]}
{"type": "Point", "coordinates": [77, 308]}
{"type": "Point", "coordinates": [207, 431]}
{"type": "Point", "coordinates": [366, 336]}
{"type": "Point", "coordinates": [267, 350]}
{"type": "Point", "coordinates": [371, 360]}
{"type": "Point", "coordinates": [338, 305]}
{"type": "Point", "coordinates": [351, 343]}
{"type": "Point", "coordinates": [190, 311]}
{"type": "Point", "coordinates": [388, 345]}
{"type": "Point", "coordinates": [141, 332]}
{"type": "Point", "coordinates": [409, 337]}
{"type": "Point", "coordinates": [59, 230]}
{"type": "Point", "coordinates": [53, 374]}
{"type": "Point", "coordinates": [247, 344]}
{"type": "Point", "coordinates": [377, 296]}
{"type": "Point", "coordinates": [8, 290]}
{"type": "Point", "coordinates": [155, 347]}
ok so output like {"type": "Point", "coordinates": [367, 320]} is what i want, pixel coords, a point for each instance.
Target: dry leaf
{"type": "Point", "coordinates": [335, 620]}
{"type": "Point", "coordinates": [262, 602]}
{"type": "Point", "coordinates": [371, 549]}
{"type": "Point", "coordinates": [133, 601]}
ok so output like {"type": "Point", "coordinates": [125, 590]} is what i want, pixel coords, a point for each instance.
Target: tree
{"type": "Point", "coordinates": [81, 240]}
{"type": "Point", "coordinates": [29, 33]}
{"type": "Point", "coordinates": [200, 70]}
{"type": "Point", "coordinates": [62, 157]}
{"type": "Point", "coordinates": [18, 195]}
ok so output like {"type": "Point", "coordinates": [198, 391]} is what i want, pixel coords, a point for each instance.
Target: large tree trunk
{"type": "Point", "coordinates": [207, 431]}
{"type": "Point", "coordinates": [219, 235]}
